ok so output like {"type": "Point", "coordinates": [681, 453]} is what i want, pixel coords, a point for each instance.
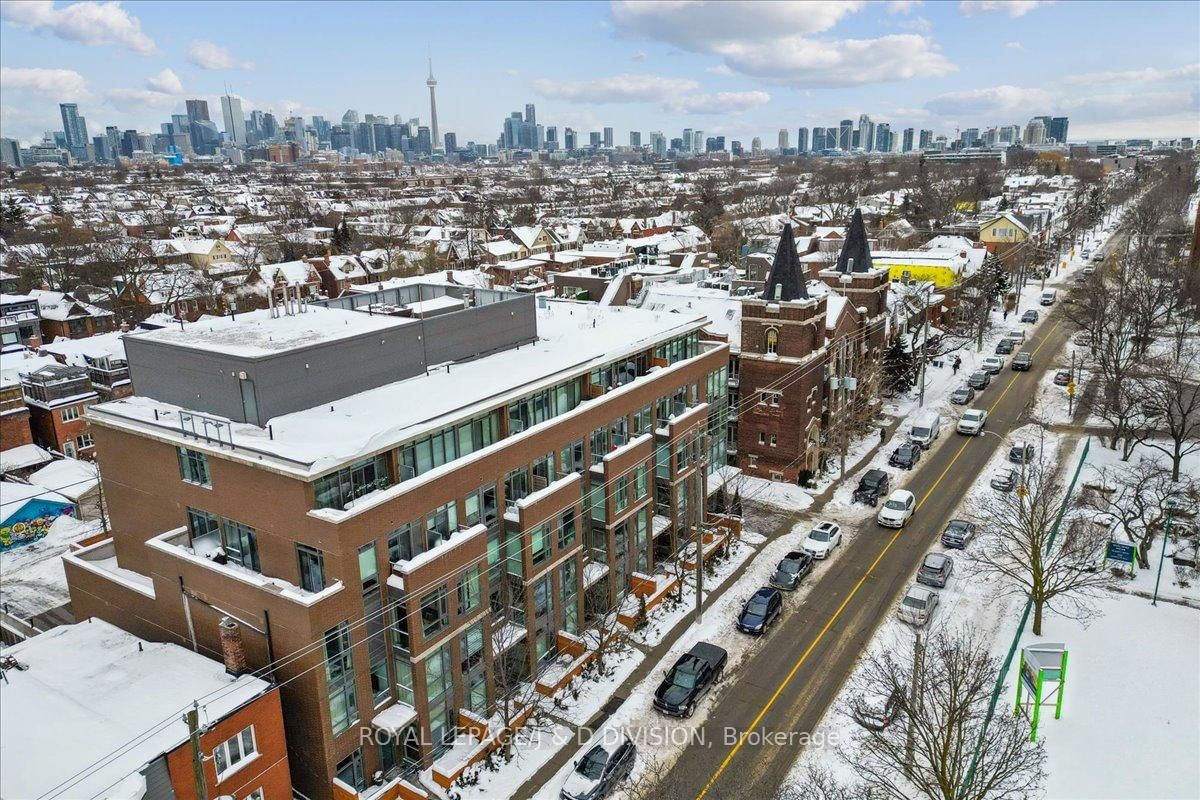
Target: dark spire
{"type": "Point", "coordinates": [787, 278]}
{"type": "Point", "coordinates": [856, 253]}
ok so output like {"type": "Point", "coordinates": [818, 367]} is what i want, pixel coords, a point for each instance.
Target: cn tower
{"type": "Point", "coordinates": [431, 82]}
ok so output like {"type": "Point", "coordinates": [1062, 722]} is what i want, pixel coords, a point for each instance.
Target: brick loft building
{"type": "Point", "coordinates": [800, 342]}
{"type": "Point", "coordinates": [58, 396]}
{"type": "Point", "coordinates": [90, 711]}
{"type": "Point", "coordinates": [427, 509]}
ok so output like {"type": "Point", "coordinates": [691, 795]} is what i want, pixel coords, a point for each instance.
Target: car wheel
{"type": "Point", "coordinates": [689, 710]}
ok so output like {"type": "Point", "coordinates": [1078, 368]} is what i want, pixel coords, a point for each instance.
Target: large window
{"type": "Point", "coordinates": [404, 679]}
{"type": "Point", "coordinates": [440, 524]}
{"type": "Point", "coordinates": [540, 543]}
{"type": "Point", "coordinates": [338, 489]}
{"type": "Point", "coordinates": [403, 543]}
{"type": "Point", "coordinates": [516, 485]}
{"type": "Point", "coordinates": [472, 647]}
{"type": "Point", "coordinates": [620, 494]}
{"type": "Point", "coordinates": [234, 751]}
{"type": "Point", "coordinates": [350, 771]}
{"type": "Point", "coordinates": [339, 678]}
{"type": "Point", "coordinates": [448, 444]}
{"type": "Point", "coordinates": [202, 524]}
{"type": "Point", "coordinates": [240, 543]}
{"type": "Point", "coordinates": [544, 405]}
{"type": "Point", "coordinates": [435, 612]}
{"type": "Point", "coordinates": [468, 590]}
{"type": "Point", "coordinates": [373, 622]}
{"type": "Point", "coordinates": [312, 568]}
{"type": "Point", "coordinates": [439, 684]}
{"type": "Point", "coordinates": [193, 467]}
{"type": "Point", "coordinates": [567, 529]}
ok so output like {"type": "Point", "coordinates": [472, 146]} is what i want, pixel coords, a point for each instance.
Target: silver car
{"type": "Point", "coordinates": [918, 606]}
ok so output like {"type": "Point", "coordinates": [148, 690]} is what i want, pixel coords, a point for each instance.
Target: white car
{"type": "Point", "coordinates": [918, 605]}
{"type": "Point", "coordinates": [992, 364]}
{"type": "Point", "coordinates": [822, 539]}
{"type": "Point", "coordinates": [971, 422]}
{"type": "Point", "coordinates": [897, 510]}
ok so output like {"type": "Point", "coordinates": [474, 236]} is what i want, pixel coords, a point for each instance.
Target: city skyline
{"type": "Point", "coordinates": [707, 70]}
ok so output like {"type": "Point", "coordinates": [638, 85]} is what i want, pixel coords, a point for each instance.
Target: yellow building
{"type": "Point", "coordinates": [943, 267]}
{"type": "Point", "coordinates": [1002, 231]}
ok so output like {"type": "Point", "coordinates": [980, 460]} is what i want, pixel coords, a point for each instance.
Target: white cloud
{"type": "Point", "coordinates": [639, 56]}
{"type": "Point", "coordinates": [1014, 45]}
{"type": "Point", "coordinates": [511, 72]}
{"type": "Point", "coordinates": [706, 26]}
{"type": "Point", "coordinates": [139, 99]}
{"type": "Point", "coordinates": [919, 24]}
{"type": "Point", "coordinates": [627, 88]}
{"type": "Point", "coordinates": [89, 23]}
{"type": "Point", "coordinates": [799, 61]}
{"type": "Point", "coordinates": [210, 55]}
{"type": "Point", "coordinates": [1147, 75]}
{"type": "Point", "coordinates": [1001, 102]}
{"type": "Point", "coordinates": [772, 41]}
{"type": "Point", "coordinates": [717, 103]}
{"type": "Point", "coordinates": [1014, 8]}
{"type": "Point", "coordinates": [902, 6]}
{"type": "Point", "coordinates": [56, 83]}
{"type": "Point", "coordinates": [722, 70]}
{"type": "Point", "coordinates": [166, 82]}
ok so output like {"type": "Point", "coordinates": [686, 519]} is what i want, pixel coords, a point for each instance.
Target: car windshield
{"type": "Point", "coordinates": [818, 535]}
{"type": "Point", "coordinates": [935, 562]}
{"type": "Point", "coordinates": [757, 607]}
{"type": "Point", "coordinates": [920, 431]}
{"type": "Point", "coordinates": [914, 602]}
{"type": "Point", "coordinates": [895, 505]}
{"type": "Point", "coordinates": [971, 416]}
{"type": "Point", "coordinates": [684, 677]}
{"type": "Point", "coordinates": [592, 765]}
{"type": "Point", "coordinates": [789, 567]}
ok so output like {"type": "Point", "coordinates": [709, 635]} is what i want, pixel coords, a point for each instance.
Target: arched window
{"type": "Point", "coordinates": [772, 340]}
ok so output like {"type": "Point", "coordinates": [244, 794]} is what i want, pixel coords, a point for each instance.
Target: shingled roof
{"type": "Point", "coordinates": [787, 279]}
{"type": "Point", "coordinates": [856, 253]}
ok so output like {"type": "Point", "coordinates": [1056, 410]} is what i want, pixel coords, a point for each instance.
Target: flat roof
{"type": "Point", "coordinates": [572, 339]}
{"type": "Point", "coordinates": [258, 333]}
{"type": "Point", "coordinates": [87, 688]}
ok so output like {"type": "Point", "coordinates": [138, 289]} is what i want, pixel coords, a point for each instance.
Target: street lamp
{"type": "Point", "coordinates": [1162, 554]}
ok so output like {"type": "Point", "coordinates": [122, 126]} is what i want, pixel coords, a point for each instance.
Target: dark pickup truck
{"type": "Point", "coordinates": [694, 673]}
{"type": "Point", "coordinates": [873, 485]}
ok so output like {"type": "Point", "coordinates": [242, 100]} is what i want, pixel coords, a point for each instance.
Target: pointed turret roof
{"type": "Point", "coordinates": [856, 253]}
{"type": "Point", "coordinates": [787, 278]}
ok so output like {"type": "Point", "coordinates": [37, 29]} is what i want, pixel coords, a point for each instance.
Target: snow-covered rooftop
{"type": "Point", "coordinates": [87, 688]}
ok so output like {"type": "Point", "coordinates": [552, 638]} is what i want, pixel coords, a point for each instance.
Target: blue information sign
{"type": "Point", "coordinates": [1119, 551]}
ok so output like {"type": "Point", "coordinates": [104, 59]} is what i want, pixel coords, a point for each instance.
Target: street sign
{"type": "Point", "coordinates": [1119, 551]}
{"type": "Point", "coordinates": [1071, 388]}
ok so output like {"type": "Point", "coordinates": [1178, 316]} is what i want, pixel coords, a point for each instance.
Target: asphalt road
{"type": "Point", "coordinates": [785, 687]}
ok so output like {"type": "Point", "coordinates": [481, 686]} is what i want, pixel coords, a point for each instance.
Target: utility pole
{"type": "Point", "coordinates": [192, 718]}
{"type": "Point", "coordinates": [924, 344]}
{"type": "Point", "coordinates": [841, 410]}
{"type": "Point", "coordinates": [698, 520]}
{"type": "Point", "coordinates": [914, 697]}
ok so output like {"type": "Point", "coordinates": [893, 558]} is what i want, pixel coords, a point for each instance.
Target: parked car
{"type": "Point", "coordinates": [1089, 270]}
{"type": "Point", "coordinates": [1030, 316]}
{"type": "Point", "coordinates": [992, 364]}
{"type": "Point", "coordinates": [1047, 299]}
{"type": "Point", "coordinates": [1005, 346]}
{"type": "Point", "coordinates": [1016, 334]}
{"type": "Point", "coordinates": [871, 486]}
{"type": "Point", "coordinates": [926, 426]}
{"type": "Point", "coordinates": [918, 606]}
{"type": "Point", "coordinates": [1021, 453]}
{"type": "Point", "coordinates": [897, 510]}
{"type": "Point", "coordinates": [601, 769]}
{"type": "Point", "coordinates": [962, 395]}
{"type": "Point", "coordinates": [905, 456]}
{"type": "Point", "coordinates": [1083, 339]}
{"type": "Point", "coordinates": [791, 570]}
{"type": "Point", "coordinates": [1004, 481]}
{"type": "Point", "coordinates": [972, 421]}
{"type": "Point", "coordinates": [1022, 361]}
{"type": "Point", "coordinates": [760, 611]}
{"type": "Point", "coordinates": [979, 379]}
{"type": "Point", "coordinates": [1086, 254]}
{"type": "Point", "coordinates": [822, 539]}
{"type": "Point", "coordinates": [693, 675]}
{"type": "Point", "coordinates": [958, 533]}
{"type": "Point", "coordinates": [1062, 377]}
{"type": "Point", "coordinates": [1097, 258]}
{"type": "Point", "coordinates": [935, 570]}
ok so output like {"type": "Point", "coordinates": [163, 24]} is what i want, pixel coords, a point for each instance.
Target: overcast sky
{"type": "Point", "coordinates": [740, 69]}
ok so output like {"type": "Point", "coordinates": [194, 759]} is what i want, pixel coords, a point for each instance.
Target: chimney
{"type": "Point", "coordinates": [232, 649]}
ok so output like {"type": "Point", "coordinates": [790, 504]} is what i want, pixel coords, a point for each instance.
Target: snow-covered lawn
{"type": "Point", "coordinates": [1130, 727]}
{"type": "Point", "coordinates": [493, 777]}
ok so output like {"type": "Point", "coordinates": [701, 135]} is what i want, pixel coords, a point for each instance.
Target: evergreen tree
{"type": "Point", "coordinates": [899, 367]}
{"type": "Point", "coordinates": [56, 206]}
{"type": "Point", "coordinates": [12, 217]}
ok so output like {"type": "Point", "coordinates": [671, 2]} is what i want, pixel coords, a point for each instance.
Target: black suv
{"type": "Point", "coordinates": [693, 674]}
{"type": "Point", "coordinates": [791, 570]}
{"type": "Point", "coordinates": [958, 533]}
{"type": "Point", "coordinates": [760, 611]}
{"type": "Point", "coordinates": [1004, 347]}
{"type": "Point", "coordinates": [1022, 361]}
{"type": "Point", "coordinates": [871, 486]}
{"type": "Point", "coordinates": [979, 380]}
{"type": "Point", "coordinates": [906, 456]}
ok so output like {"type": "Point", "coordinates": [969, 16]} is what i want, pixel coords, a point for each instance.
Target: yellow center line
{"type": "Point", "coordinates": [832, 619]}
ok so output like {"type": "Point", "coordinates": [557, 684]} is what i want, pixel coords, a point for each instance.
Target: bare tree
{"type": "Point", "coordinates": [1135, 496]}
{"type": "Point", "coordinates": [1021, 545]}
{"type": "Point", "coordinates": [1171, 402]}
{"type": "Point", "coordinates": [943, 735]}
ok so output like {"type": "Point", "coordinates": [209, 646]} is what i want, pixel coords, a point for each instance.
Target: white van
{"type": "Point", "coordinates": [1049, 296]}
{"type": "Point", "coordinates": [926, 426]}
